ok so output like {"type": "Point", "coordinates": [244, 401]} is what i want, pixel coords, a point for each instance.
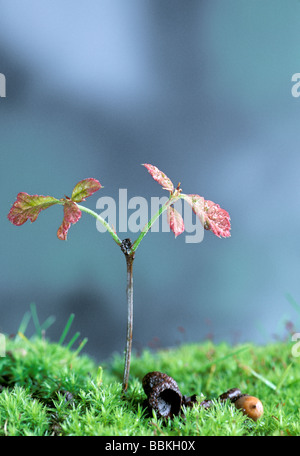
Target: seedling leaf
{"type": "Point", "coordinates": [211, 215]}
{"type": "Point", "coordinates": [71, 215]}
{"type": "Point", "coordinates": [85, 188]}
{"type": "Point", "coordinates": [175, 221]}
{"type": "Point", "coordinates": [217, 219]}
{"type": "Point", "coordinates": [160, 177]}
{"type": "Point", "coordinates": [27, 207]}
{"type": "Point", "coordinates": [197, 204]}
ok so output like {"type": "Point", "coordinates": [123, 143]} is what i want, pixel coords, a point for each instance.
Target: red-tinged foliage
{"type": "Point", "coordinates": [197, 204]}
{"type": "Point", "coordinates": [71, 216]}
{"type": "Point", "coordinates": [160, 177]}
{"type": "Point", "coordinates": [85, 188]}
{"type": "Point", "coordinates": [27, 207]}
{"type": "Point", "coordinates": [211, 215]}
{"type": "Point", "coordinates": [217, 219]}
{"type": "Point", "coordinates": [175, 221]}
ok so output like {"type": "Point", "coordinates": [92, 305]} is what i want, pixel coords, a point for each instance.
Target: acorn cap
{"type": "Point", "coordinates": [163, 394]}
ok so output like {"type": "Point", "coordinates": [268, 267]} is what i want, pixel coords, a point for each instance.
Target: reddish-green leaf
{"type": "Point", "coordinates": [85, 188]}
{"type": "Point", "coordinates": [160, 177]}
{"type": "Point", "coordinates": [71, 215]}
{"type": "Point", "coordinates": [211, 215]}
{"type": "Point", "coordinates": [27, 207]}
{"type": "Point", "coordinates": [197, 204]}
{"type": "Point", "coordinates": [217, 219]}
{"type": "Point", "coordinates": [175, 221]}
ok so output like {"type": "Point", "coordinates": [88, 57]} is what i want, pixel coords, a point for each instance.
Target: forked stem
{"type": "Point", "coordinates": [102, 221]}
{"type": "Point", "coordinates": [129, 251]}
{"type": "Point", "coordinates": [174, 197]}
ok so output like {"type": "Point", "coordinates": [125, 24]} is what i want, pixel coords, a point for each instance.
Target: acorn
{"type": "Point", "coordinates": [250, 406]}
{"type": "Point", "coordinates": [163, 394]}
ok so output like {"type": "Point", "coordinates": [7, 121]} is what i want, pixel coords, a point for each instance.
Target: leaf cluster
{"type": "Point", "coordinates": [28, 207]}
{"type": "Point", "coordinates": [212, 216]}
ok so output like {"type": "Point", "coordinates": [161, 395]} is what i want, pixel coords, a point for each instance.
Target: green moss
{"type": "Point", "coordinates": [48, 389]}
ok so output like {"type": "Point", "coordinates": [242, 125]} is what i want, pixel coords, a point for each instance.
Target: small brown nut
{"type": "Point", "coordinates": [250, 406]}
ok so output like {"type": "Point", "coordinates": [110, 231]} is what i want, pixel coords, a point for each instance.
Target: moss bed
{"type": "Point", "coordinates": [48, 389]}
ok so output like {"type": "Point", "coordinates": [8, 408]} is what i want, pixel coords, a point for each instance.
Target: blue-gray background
{"type": "Point", "coordinates": [202, 90]}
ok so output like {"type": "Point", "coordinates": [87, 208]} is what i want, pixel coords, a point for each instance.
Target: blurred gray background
{"type": "Point", "coordinates": [202, 90]}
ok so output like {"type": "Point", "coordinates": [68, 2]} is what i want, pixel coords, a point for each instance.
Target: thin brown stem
{"type": "Point", "coordinates": [129, 261]}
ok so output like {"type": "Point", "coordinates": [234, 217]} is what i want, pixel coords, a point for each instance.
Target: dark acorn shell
{"type": "Point", "coordinates": [232, 394]}
{"type": "Point", "coordinates": [163, 394]}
